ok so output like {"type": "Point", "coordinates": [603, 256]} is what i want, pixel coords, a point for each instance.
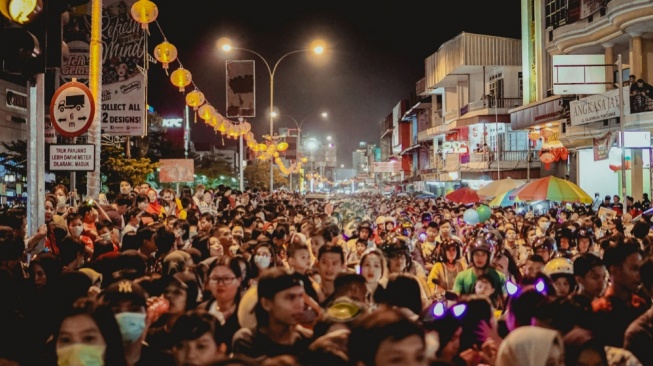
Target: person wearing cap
{"type": "Point", "coordinates": [278, 312]}
{"type": "Point", "coordinates": [128, 300]}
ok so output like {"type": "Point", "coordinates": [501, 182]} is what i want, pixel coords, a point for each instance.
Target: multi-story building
{"type": "Point", "coordinates": [571, 101]}
{"type": "Point", "coordinates": [473, 81]}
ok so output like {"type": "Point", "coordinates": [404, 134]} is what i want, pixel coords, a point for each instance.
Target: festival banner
{"type": "Point", "coordinates": [123, 83]}
{"type": "Point", "coordinates": [602, 146]}
{"type": "Point", "coordinates": [241, 89]}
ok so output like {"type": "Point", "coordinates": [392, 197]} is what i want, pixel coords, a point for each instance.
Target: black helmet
{"type": "Point", "coordinates": [566, 233]}
{"type": "Point", "coordinates": [393, 244]}
{"type": "Point", "coordinates": [585, 233]}
{"type": "Point", "coordinates": [426, 217]}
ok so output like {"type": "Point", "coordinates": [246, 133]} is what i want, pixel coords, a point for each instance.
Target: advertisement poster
{"type": "Point", "coordinates": [123, 45]}
{"type": "Point", "coordinates": [123, 85]}
{"type": "Point", "coordinates": [241, 95]}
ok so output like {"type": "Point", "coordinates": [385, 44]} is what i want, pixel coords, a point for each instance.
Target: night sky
{"type": "Point", "coordinates": [376, 55]}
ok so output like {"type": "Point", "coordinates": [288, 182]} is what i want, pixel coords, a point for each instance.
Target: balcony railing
{"type": "Point", "coordinates": [503, 156]}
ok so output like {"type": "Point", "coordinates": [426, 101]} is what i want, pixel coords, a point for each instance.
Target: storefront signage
{"type": "Point", "coordinates": [602, 146]}
{"type": "Point", "coordinates": [386, 167]}
{"type": "Point", "coordinates": [16, 100]}
{"type": "Point", "coordinates": [598, 107]}
{"type": "Point", "coordinates": [172, 122]}
{"type": "Point", "coordinates": [72, 157]}
{"type": "Point", "coordinates": [458, 147]}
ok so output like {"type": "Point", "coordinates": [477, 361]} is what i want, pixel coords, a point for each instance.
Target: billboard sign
{"type": "Point", "coordinates": [241, 92]}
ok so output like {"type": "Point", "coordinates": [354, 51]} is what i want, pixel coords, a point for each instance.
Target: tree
{"type": "Point", "coordinates": [214, 166]}
{"type": "Point", "coordinates": [257, 175]}
{"type": "Point", "coordinates": [115, 167]}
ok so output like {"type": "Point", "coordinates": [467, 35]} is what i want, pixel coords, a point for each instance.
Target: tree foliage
{"type": "Point", "coordinates": [257, 175]}
{"type": "Point", "coordinates": [115, 167]}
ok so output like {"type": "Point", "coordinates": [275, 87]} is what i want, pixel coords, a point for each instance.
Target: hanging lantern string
{"type": "Point", "coordinates": [178, 59]}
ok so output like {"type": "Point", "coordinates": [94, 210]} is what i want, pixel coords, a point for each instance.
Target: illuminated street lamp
{"type": "Point", "coordinates": [317, 47]}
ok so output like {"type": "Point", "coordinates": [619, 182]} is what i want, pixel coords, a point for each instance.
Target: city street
{"type": "Point", "coordinates": [283, 183]}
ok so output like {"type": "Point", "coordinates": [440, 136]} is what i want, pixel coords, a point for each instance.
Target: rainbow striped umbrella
{"type": "Point", "coordinates": [504, 200]}
{"type": "Point", "coordinates": [552, 189]}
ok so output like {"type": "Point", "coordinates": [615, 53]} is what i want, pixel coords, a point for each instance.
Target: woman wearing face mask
{"type": "Point", "coordinates": [87, 335]}
{"type": "Point", "coordinates": [264, 257]}
{"type": "Point", "coordinates": [63, 201]}
{"type": "Point", "coordinates": [224, 280]}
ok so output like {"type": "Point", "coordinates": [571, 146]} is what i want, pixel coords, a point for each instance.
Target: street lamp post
{"type": "Point", "coordinates": [271, 71]}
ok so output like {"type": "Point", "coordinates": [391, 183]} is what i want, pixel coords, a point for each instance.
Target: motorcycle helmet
{"type": "Point", "coordinates": [558, 266]}
{"type": "Point", "coordinates": [365, 225]}
{"type": "Point", "coordinates": [547, 243]}
{"type": "Point", "coordinates": [448, 243]}
{"type": "Point", "coordinates": [480, 243]}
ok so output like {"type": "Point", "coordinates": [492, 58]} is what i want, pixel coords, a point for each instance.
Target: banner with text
{"type": "Point", "coordinates": [602, 146]}
{"type": "Point", "coordinates": [72, 158]}
{"type": "Point", "coordinates": [598, 107]}
{"type": "Point", "coordinates": [386, 167]}
{"type": "Point", "coordinates": [123, 84]}
{"type": "Point", "coordinates": [241, 90]}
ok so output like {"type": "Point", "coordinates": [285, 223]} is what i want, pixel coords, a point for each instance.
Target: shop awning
{"type": "Point", "coordinates": [410, 149]}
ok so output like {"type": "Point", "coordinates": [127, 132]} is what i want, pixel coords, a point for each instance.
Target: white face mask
{"type": "Point", "coordinates": [77, 230]}
{"type": "Point", "coordinates": [106, 236]}
{"type": "Point", "coordinates": [262, 261]}
{"type": "Point", "coordinates": [61, 200]}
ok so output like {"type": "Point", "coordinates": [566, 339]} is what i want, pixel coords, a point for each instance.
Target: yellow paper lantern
{"type": "Point", "coordinates": [249, 136]}
{"type": "Point", "coordinates": [206, 112]}
{"type": "Point", "coordinates": [181, 78]}
{"type": "Point", "coordinates": [276, 154]}
{"type": "Point", "coordinates": [213, 122]}
{"type": "Point", "coordinates": [165, 53]}
{"type": "Point", "coordinates": [304, 160]}
{"type": "Point", "coordinates": [262, 147]}
{"type": "Point", "coordinates": [282, 146]}
{"type": "Point", "coordinates": [144, 12]}
{"type": "Point", "coordinates": [195, 99]}
{"type": "Point", "coordinates": [222, 125]}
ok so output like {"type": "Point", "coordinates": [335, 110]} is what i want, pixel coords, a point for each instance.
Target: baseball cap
{"type": "Point", "coordinates": [275, 280]}
{"type": "Point", "coordinates": [125, 290]}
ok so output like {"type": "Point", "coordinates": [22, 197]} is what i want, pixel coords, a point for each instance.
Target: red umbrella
{"type": "Point", "coordinates": [463, 195]}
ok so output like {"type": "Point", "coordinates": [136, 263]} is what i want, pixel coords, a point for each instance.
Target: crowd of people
{"type": "Point", "coordinates": [223, 277]}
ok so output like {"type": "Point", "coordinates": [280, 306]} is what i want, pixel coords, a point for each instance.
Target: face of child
{"type": "Point", "coordinates": [483, 288]}
{"type": "Point", "coordinates": [562, 286]}
{"type": "Point", "coordinates": [301, 261]}
{"type": "Point", "coordinates": [360, 248]}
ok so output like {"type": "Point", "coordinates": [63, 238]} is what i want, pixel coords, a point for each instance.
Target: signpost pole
{"type": "Point", "coordinates": [36, 157]}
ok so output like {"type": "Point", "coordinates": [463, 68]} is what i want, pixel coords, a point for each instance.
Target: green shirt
{"type": "Point", "coordinates": [466, 280]}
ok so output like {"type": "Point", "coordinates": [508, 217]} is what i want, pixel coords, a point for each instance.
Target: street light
{"type": "Point", "coordinates": [317, 47]}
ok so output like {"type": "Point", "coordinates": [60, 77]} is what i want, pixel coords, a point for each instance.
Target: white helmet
{"type": "Point", "coordinates": [558, 266]}
{"type": "Point", "coordinates": [380, 220]}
